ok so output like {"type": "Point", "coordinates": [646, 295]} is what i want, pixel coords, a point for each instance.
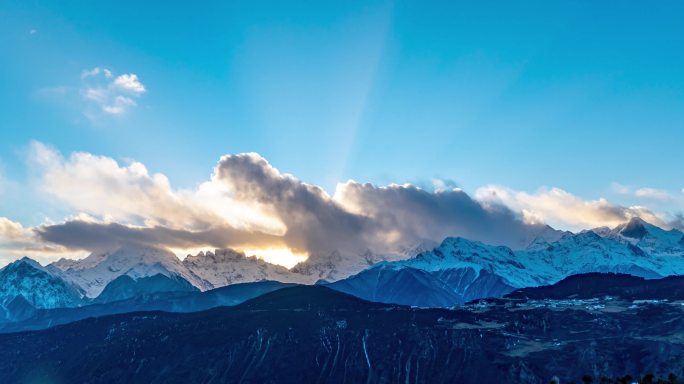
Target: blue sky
{"type": "Point", "coordinates": [584, 97]}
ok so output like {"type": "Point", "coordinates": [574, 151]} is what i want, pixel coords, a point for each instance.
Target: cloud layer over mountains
{"type": "Point", "coordinates": [247, 203]}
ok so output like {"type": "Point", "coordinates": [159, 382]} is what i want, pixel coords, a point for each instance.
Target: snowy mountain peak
{"type": "Point", "coordinates": [40, 288]}
{"type": "Point", "coordinates": [635, 228]}
{"type": "Point", "coordinates": [226, 266]}
{"type": "Point", "coordinates": [648, 237]}
{"type": "Point", "coordinates": [94, 272]}
{"type": "Point", "coordinates": [25, 261]}
{"type": "Point", "coordinates": [473, 269]}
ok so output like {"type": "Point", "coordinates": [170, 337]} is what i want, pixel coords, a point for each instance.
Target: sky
{"type": "Point", "coordinates": [565, 113]}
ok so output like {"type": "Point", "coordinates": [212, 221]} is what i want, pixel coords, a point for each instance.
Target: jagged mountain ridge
{"type": "Point", "coordinates": [94, 272]}
{"type": "Point", "coordinates": [224, 267]}
{"type": "Point", "coordinates": [457, 271]}
{"type": "Point", "coordinates": [648, 237]}
{"type": "Point", "coordinates": [470, 269]}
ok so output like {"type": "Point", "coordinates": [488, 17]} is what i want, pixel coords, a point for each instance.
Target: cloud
{"type": "Point", "coordinates": [112, 95]}
{"type": "Point", "coordinates": [100, 186]}
{"type": "Point", "coordinates": [120, 105]}
{"type": "Point", "coordinates": [129, 83]}
{"type": "Point", "coordinates": [249, 202]}
{"type": "Point", "coordinates": [11, 231]}
{"type": "Point", "coordinates": [17, 241]}
{"type": "Point", "coordinates": [127, 200]}
{"type": "Point", "coordinates": [246, 203]}
{"type": "Point", "coordinates": [96, 236]}
{"type": "Point", "coordinates": [408, 213]}
{"type": "Point", "coordinates": [313, 220]}
{"type": "Point", "coordinates": [560, 208]}
{"type": "Point", "coordinates": [646, 193]}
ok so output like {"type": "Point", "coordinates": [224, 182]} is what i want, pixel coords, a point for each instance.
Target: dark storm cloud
{"type": "Point", "coordinates": [96, 236]}
{"type": "Point", "coordinates": [314, 221]}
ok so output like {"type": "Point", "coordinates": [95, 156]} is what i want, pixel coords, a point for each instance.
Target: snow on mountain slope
{"type": "Point", "coordinates": [472, 270]}
{"type": "Point", "coordinates": [457, 253]}
{"type": "Point", "coordinates": [226, 266]}
{"type": "Point", "coordinates": [338, 265]}
{"type": "Point", "coordinates": [36, 285]}
{"type": "Point", "coordinates": [94, 272]}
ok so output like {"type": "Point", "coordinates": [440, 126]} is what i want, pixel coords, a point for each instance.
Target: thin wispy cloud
{"type": "Point", "coordinates": [653, 193]}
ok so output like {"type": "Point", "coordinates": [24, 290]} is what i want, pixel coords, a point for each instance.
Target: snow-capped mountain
{"type": "Point", "coordinates": [25, 281]}
{"type": "Point", "coordinates": [472, 270]}
{"type": "Point", "coordinates": [338, 265]}
{"type": "Point", "coordinates": [226, 266]}
{"type": "Point", "coordinates": [457, 270]}
{"type": "Point", "coordinates": [94, 272]}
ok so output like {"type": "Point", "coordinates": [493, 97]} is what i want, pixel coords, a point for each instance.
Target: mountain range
{"type": "Point", "coordinates": [461, 270]}
{"type": "Point", "coordinates": [455, 272]}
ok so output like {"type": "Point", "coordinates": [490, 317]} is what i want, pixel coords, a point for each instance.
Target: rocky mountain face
{"type": "Point", "coordinates": [314, 334]}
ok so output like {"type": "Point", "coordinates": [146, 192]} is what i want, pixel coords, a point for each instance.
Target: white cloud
{"type": "Point", "coordinates": [111, 192]}
{"type": "Point", "coordinates": [112, 95]}
{"type": "Point", "coordinates": [129, 82]}
{"type": "Point", "coordinates": [10, 231]}
{"type": "Point", "coordinates": [99, 186]}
